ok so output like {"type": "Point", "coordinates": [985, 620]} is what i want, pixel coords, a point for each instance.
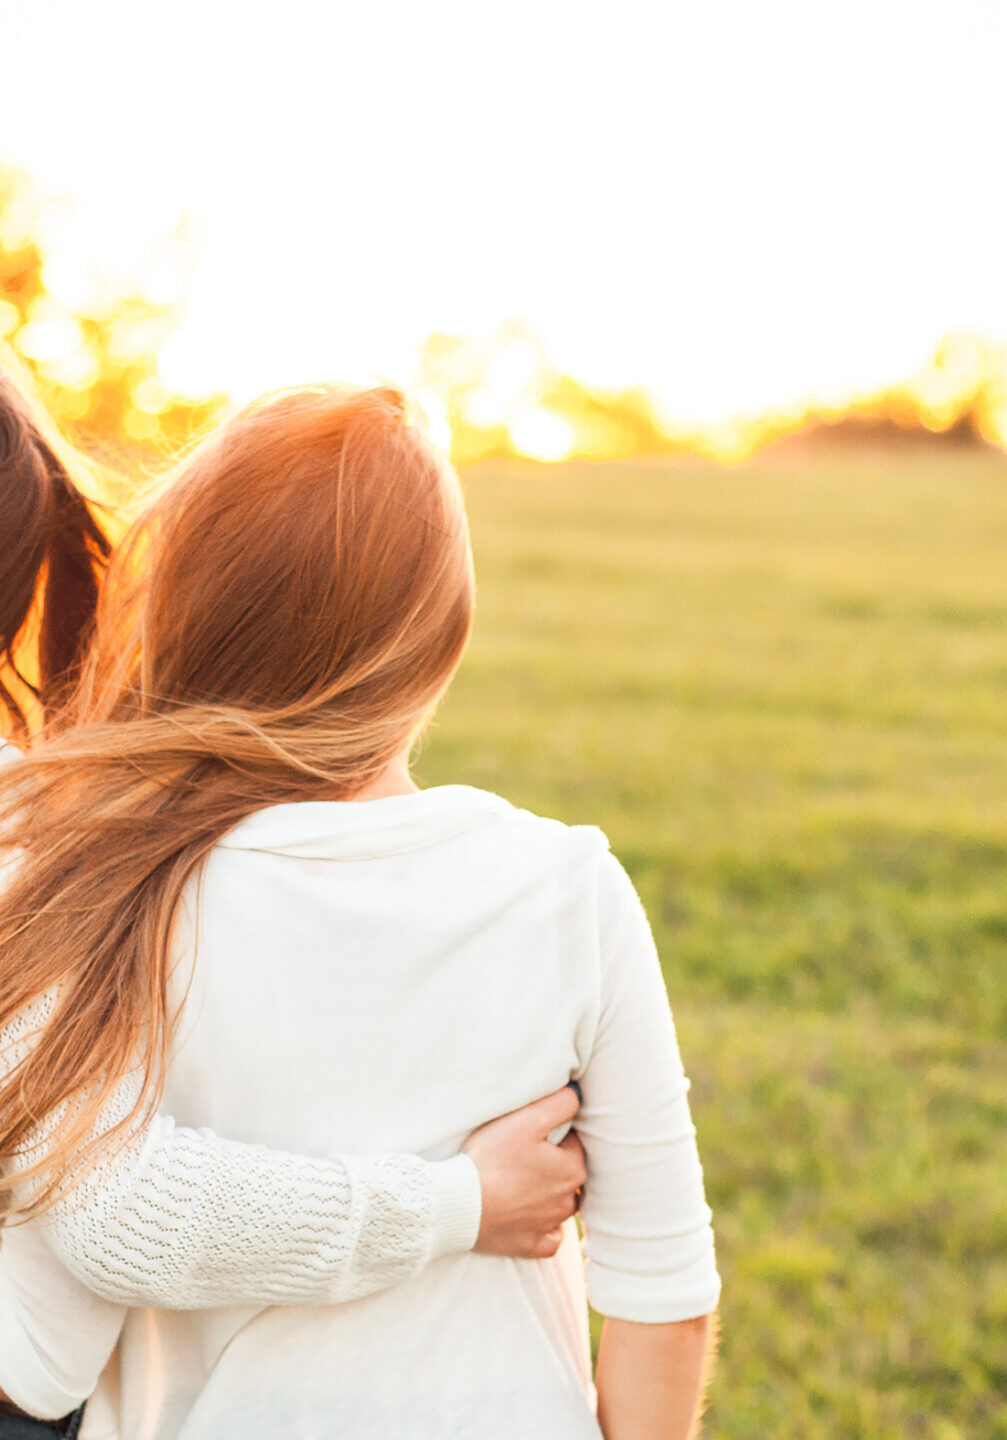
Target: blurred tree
{"type": "Point", "coordinates": [608, 423]}
{"type": "Point", "coordinates": [498, 395]}
{"type": "Point", "coordinates": [497, 391]}
{"type": "Point", "coordinates": [453, 378]}
{"type": "Point", "coordinates": [95, 369]}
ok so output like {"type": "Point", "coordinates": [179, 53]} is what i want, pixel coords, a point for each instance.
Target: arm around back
{"type": "Point", "coordinates": [188, 1219]}
{"type": "Point", "coordinates": [185, 1219]}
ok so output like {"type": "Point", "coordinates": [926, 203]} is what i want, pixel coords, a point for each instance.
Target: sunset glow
{"type": "Point", "coordinates": [620, 259]}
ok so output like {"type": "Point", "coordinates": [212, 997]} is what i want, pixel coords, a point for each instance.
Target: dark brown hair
{"type": "Point", "coordinates": [52, 552]}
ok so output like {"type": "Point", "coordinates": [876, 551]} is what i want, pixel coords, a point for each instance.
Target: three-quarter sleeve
{"type": "Point", "coordinates": [649, 1241]}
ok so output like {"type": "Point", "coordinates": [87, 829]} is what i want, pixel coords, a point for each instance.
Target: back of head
{"type": "Point", "coordinates": [307, 574]}
{"type": "Point", "coordinates": [51, 554]}
{"type": "Point", "coordinates": [276, 627]}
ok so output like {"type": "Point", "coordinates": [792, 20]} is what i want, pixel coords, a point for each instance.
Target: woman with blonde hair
{"type": "Point", "coordinates": [361, 1222]}
{"type": "Point", "coordinates": [231, 898]}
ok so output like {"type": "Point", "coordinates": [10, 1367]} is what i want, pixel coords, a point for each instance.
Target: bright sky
{"type": "Point", "coordinates": [735, 204]}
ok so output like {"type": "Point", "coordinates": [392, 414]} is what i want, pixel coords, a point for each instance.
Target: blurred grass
{"type": "Point", "coordinates": [782, 691]}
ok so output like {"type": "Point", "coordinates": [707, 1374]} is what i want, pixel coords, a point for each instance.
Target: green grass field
{"type": "Point", "coordinates": [782, 691]}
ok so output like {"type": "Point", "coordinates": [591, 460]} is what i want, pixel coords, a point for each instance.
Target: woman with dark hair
{"type": "Point", "coordinates": [164, 1219]}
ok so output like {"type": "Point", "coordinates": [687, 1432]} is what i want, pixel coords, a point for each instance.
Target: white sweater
{"type": "Point", "coordinates": [184, 1218]}
{"type": "Point", "coordinates": [383, 977]}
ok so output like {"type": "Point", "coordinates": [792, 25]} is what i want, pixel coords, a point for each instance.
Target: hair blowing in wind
{"type": "Point", "coordinates": [276, 627]}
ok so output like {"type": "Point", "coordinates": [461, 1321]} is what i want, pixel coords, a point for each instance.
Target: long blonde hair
{"type": "Point", "coordinates": [276, 627]}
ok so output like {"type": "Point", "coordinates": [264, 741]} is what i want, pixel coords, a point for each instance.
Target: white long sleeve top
{"type": "Point", "coordinates": [381, 977]}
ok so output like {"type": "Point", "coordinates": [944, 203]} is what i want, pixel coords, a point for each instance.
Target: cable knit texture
{"type": "Point", "coordinates": [184, 1219]}
{"type": "Point", "coordinates": [205, 1221]}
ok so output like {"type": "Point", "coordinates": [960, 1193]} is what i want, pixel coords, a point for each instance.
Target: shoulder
{"type": "Point", "coordinates": [583, 850]}
{"type": "Point", "coordinates": [546, 836]}
{"type": "Point", "coordinates": [578, 861]}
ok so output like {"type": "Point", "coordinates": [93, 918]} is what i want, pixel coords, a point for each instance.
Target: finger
{"type": "Point", "coordinates": [549, 1244]}
{"type": "Point", "coordinates": [575, 1150]}
{"type": "Point", "coordinates": [546, 1114]}
{"type": "Point", "coordinates": [568, 1206]}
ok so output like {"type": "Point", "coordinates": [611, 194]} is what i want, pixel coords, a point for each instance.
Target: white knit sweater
{"type": "Point", "coordinates": [378, 976]}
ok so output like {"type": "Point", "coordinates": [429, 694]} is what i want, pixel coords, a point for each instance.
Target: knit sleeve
{"type": "Point", "coordinates": [195, 1220]}
{"type": "Point", "coordinates": [185, 1219]}
{"type": "Point", "coordinates": [649, 1242]}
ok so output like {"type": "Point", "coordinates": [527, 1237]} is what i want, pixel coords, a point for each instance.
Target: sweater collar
{"type": "Point", "coordinates": [363, 829]}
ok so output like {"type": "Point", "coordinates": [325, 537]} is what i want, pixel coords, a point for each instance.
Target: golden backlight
{"type": "Point", "coordinates": [724, 222]}
{"type": "Point", "coordinates": [499, 396]}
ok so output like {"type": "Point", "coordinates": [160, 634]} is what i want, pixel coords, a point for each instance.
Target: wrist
{"type": "Point", "coordinates": [457, 1205]}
